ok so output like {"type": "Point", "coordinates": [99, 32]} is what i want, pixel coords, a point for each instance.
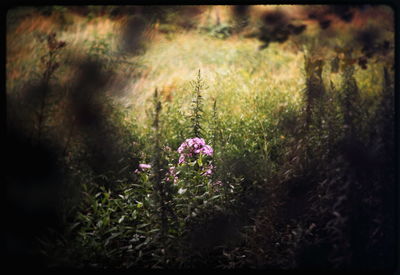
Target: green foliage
{"type": "Point", "coordinates": [302, 165]}
{"type": "Point", "coordinates": [220, 31]}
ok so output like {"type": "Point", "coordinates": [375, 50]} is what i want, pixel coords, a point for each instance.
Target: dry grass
{"type": "Point", "coordinates": [234, 69]}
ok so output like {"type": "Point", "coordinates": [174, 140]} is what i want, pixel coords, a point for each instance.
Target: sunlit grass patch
{"type": "Point", "coordinates": [234, 69]}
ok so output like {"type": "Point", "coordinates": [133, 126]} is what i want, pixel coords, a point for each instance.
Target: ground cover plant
{"type": "Point", "coordinates": [223, 137]}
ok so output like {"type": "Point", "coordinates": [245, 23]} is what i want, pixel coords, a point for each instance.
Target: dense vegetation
{"type": "Point", "coordinates": [192, 137]}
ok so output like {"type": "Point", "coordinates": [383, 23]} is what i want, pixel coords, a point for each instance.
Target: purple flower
{"type": "Point", "coordinates": [144, 166]}
{"type": "Point", "coordinates": [181, 159]}
{"type": "Point", "coordinates": [199, 141]}
{"type": "Point", "coordinates": [208, 172]}
{"type": "Point", "coordinates": [182, 147]}
{"type": "Point", "coordinates": [207, 150]}
{"type": "Point", "coordinates": [189, 142]}
{"type": "Point", "coordinates": [218, 183]}
{"type": "Point", "coordinates": [171, 174]}
{"type": "Point", "coordinates": [192, 146]}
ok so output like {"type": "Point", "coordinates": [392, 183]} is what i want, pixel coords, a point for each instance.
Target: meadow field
{"type": "Point", "coordinates": [223, 137]}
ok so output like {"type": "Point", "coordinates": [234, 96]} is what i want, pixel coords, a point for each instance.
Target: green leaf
{"type": "Point", "coordinates": [200, 161]}
{"type": "Point", "coordinates": [142, 225]}
{"type": "Point", "coordinates": [121, 219]}
{"type": "Point", "coordinates": [181, 191]}
{"type": "Point", "coordinates": [99, 223]}
{"type": "Point", "coordinates": [215, 197]}
{"type": "Point", "coordinates": [113, 236]}
{"type": "Point", "coordinates": [72, 227]}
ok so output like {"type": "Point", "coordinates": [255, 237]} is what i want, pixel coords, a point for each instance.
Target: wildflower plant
{"type": "Point", "coordinates": [50, 62]}
{"type": "Point", "coordinates": [192, 176]}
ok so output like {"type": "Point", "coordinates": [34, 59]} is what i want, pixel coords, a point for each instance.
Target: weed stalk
{"type": "Point", "coordinates": [197, 105]}
{"type": "Point", "coordinates": [157, 167]}
{"type": "Point", "coordinates": [49, 60]}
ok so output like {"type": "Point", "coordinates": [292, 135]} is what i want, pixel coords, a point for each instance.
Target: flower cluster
{"type": "Point", "coordinates": [188, 149]}
{"type": "Point", "coordinates": [142, 167]}
{"type": "Point", "coordinates": [209, 170]}
{"type": "Point", "coordinates": [193, 146]}
{"type": "Point", "coordinates": [172, 175]}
